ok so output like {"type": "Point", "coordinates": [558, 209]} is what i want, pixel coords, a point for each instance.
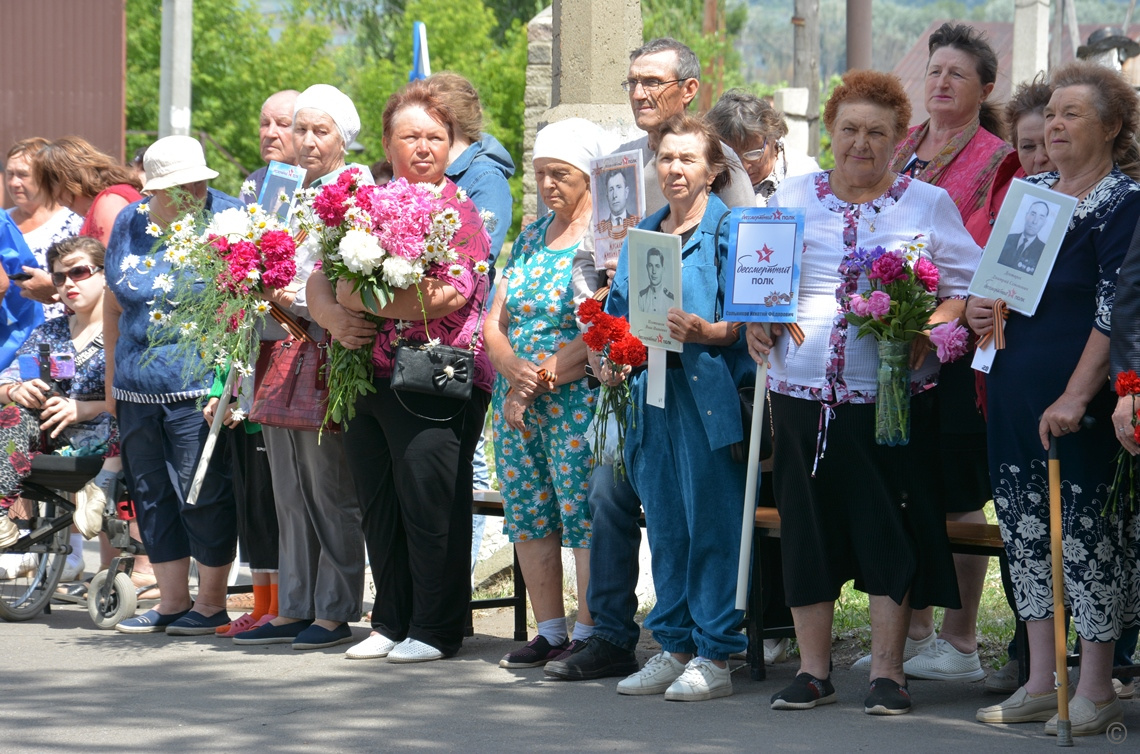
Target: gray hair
{"type": "Point", "coordinates": [688, 66]}
{"type": "Point", "coordinates": [740, 118]}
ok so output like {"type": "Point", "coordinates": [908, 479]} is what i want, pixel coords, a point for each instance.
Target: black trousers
{"type": "Point", "coordinates": [253, 493]}
{"type": "Point", "coordinates": [413, 478]}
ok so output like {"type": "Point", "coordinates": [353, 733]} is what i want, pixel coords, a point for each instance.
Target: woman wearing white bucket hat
{"type": "Point", "coordinates": [159, 422]}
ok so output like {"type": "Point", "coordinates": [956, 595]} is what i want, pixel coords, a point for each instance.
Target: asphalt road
{"type": "Point", "coordinates": [68, 686]}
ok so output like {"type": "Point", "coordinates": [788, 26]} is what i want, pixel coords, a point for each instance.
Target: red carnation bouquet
{"type": "Point", "coordinates": [610, 336]}
{"type": "Point", "coordinates": [1124, 481]}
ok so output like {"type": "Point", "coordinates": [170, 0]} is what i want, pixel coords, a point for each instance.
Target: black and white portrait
{"type": "Point", "coordinates": [1023, 247]}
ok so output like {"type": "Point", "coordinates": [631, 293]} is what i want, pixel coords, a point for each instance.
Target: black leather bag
{"type": "Point", "coordinates": [441, 371]}
{"type": "Point", "coordinates": [740, 449]}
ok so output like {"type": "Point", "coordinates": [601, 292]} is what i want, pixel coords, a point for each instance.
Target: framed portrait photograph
{"type": "Point", "coordinates": [619, 202]}
{"type": "Point", "coordinates": [765, 246]}
{"type": "Point", "coordinates": [1023, 246]}
{"type": "Point", "coordinates": [281, 183]}
{"type": "Point", "coordinates": [654, 286]}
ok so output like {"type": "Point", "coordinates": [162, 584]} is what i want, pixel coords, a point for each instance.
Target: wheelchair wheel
{"type": "Point", "coordinates": [119, 604]}
{"type": "Point", "coordinates": [34, 571]}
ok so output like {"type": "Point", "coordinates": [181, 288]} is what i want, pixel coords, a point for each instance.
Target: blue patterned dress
{"type": "Point", "coordinates": [1102, 553]}
{"type": "Point", "coordinates": [544, 470]}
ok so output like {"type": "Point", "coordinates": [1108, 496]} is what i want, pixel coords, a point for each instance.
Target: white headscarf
{"type": "Point", "coordinates": [575, 141]}
{"type": "Point", "coordinates": [336, 104]}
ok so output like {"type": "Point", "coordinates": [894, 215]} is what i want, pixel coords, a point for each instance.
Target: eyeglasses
{"type": "Point", "coordinates": [75, 273]}
{"type": "Point", "coordinates": [649, 85]}
{"type": "Point", "coordinates": [754, 155]}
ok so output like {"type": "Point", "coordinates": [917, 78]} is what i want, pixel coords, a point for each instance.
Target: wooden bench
{"type": "Point", "coordinates": [490, 503]}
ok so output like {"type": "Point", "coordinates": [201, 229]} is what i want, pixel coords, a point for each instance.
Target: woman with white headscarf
{"type": "Point", "coordinates": [321, 579]}
{"type": "Point", "coordinates": [541, 405]}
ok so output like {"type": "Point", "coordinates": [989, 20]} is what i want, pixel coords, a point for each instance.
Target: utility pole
{"type": "Point", "coordinates": [858, 34]}
{"type": "Point", "coordinates": [175, 60]}
{"type": "Point", "coordinates": [709, 87]}
{"type": "Point", "coordinates": [805, 75]}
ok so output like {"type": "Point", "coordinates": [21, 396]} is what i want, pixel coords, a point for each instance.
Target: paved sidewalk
{"type": "Point", "coordinates": [68, 686]}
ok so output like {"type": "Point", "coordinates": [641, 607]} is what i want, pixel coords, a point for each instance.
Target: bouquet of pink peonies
{"type": "Point", "coordinates": [896, 309]}
{"type": "Point", "coordinates": [381, 239]}
{"type": "Point", "coordinates": [210, 300]}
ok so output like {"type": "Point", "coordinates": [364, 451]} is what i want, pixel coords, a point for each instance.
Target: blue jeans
{"type": "Point", "coordinates": [613, 558]}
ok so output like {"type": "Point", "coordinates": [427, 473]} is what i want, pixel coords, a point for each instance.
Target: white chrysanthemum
{"type": "Point", "coordinates": [232, 224]}
{"type": "Point", "coordinates": [248, 187]}
{"type": "Point", "coordinates": [360, 251]}
{"type": "Point", "coordinates": [282, 197]}
{"type": "Point", "coordinates": [243, 369]}
{"type": "Point", "coordinates": [153, 230]}
{"type": "Point", "coordinates": [435, 249]}
{"type": "Point", "coordinates": [148, 265]}
{"type": "Point", "coordinates": [482, 267]}
{"type": "Point", "coordinates": [431, 188]}
{"type": "Point", "coordinates": [157, 316]}
{"type": "Point", "coordinates": [461, 194]}
{"type": "Point", "coordinates": [400, 272]}
{"type": "Point", "coordinates": [262, 307]}
{"type": "Point", "coordinates": [143, 208]}
{"type": "Point", "coordinates": [489, 220]}
{"type": "Point", "coordinates": [130, 262]}
{"type": "Point", "coordinates": [253, 275]}
{"type": "Point", "coordinates": [237, 415]}
{"type": "Point", "coordinates": [164, 283]}
{"type": "Point", "coordinates": [455, 270]}
{"type": "Point", "coordinates": [188, 327]}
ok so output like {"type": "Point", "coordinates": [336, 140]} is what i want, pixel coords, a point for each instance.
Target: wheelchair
{"type": "Point", "coordinates": [111, 595]}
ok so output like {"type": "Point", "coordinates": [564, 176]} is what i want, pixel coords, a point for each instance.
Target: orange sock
{"type": "Point", "coordinates": [273, 608]}
{"type": "Point", "coordinates": [261, 600]}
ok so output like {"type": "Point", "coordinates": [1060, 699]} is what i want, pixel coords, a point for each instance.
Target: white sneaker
{"type": "Point", "coordinates": [372, 648]}
{"type": "Point", "coordinates": [1004, 679]}
{"type": "Point", "coordinates": [13, 565]}
{"type": "Point", "coordinates": [942, 662]}
{"type": "Point", "coordinates": [411, 650]}
{"type": "Point", "coordinates": [775, 650]}
{"type": "Point", "coordinates": [701, 680]}
{"type": "Point", "coordinates": [911, 649]}
{"type": "Point", "coordinates": [657, 676]}
{"type": "Point", "coordinates": [9, 532]}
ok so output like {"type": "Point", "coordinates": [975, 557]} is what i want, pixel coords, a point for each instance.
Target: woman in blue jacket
{"type": "Point", "coordinates": [678, 458]}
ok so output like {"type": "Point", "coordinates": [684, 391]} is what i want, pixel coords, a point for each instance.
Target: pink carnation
{"type": "Point", "coordinates": [278, 251]}
{"type": "Point", "coordinates": [889, 268]}
{"type": "Point", "coordinates": [329, 204]}
{"type": "Point", "coordinates": [949, 340]}
{"type": "Point", "coordinates": [927, 273]}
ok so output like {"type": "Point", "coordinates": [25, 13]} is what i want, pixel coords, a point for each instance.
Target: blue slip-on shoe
{"type": "Point", "coordinates": [150, 622]}
{"type": "Point", "coordinates": [319, 637]}
{"type": "Point", "coordinates": [196, 624]}
{"type": "Point", "coordinates": [271, 634]}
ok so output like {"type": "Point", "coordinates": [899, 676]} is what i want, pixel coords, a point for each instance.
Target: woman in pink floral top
{"type": "Point", "coordinates": [410, 454]}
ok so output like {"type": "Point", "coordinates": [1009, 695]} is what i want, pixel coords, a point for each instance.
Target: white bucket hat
{"type": "Point", "coordinates": [175, 161]}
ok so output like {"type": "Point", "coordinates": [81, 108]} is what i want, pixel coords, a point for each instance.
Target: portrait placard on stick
{"type": "Point", "coordinates": [1023, 246]}
{"type": "Point", "coordinates": [281, 183]}
{"type": "Point", "coordinates": [654, 286]}
{"type": "Point", "coordinates": [765, 245]}
{"type": "Point", "coordinates": [619, 202]}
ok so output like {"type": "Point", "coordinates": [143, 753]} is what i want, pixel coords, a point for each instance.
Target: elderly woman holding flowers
{"type": "Point", "coordinates": [160, 427]}
{"type": "Point", "coordinates": [678, 458]}
{"type": "Point", "coordinates": [541, 403]}
{"type": "Point", "coordinates": [1052, 373]}
{"type": "Point", "coordinates": [886, 256]}
{"type": "Point", "coordinates": [321, 553]}
{"type": "Point", "coordinates": [410, 453]}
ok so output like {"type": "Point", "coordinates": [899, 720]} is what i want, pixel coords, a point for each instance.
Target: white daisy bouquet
{"type": "Point", "coordinates": [209, 293]}
{"type": "Point", "coordinates": [381, 239]}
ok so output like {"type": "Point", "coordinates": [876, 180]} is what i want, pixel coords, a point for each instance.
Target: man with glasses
{"type": "Point", "coordinates": [664, 77]}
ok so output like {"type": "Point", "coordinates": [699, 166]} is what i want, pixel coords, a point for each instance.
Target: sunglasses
{"type": "Point", "coordinates": [75, 273]}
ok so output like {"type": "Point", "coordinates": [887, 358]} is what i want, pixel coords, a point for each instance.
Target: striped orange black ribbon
{"type": "Point", "coordinates": [1001, 312]}
{"type": "Point", "coordinates": [796, 333]}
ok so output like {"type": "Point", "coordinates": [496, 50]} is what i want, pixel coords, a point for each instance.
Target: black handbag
{"type": "Point", "coordinates": [437, 370]}
{"type": "Point", "coordinates": [739, 450]}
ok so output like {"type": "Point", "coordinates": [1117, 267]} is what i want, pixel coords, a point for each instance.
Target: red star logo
{"type": "Point", "coordinates": [765, 254]}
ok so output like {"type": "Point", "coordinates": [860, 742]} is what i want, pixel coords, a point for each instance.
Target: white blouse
{"type": "Point", "coordinates": [832, 365]}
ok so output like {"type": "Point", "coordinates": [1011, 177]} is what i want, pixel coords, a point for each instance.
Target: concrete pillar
{"type": "Point", "coordinates": [858, 34]}
{"type": "Point", "coordinates": [805, 41]}
{"type": "Point", "coordinates": [794, 103]}
{"type": "Point", "coordinates": [175, 62]}
{"type": "Point", "coordinates": [1030, 40]}
{"type": "Point", "coordinates": [592, 42]}
{"type": "Point", "coordinates": [539, 56]}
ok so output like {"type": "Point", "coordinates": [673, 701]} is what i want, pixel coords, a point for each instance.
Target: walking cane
{"type": "Point", "coordinates": [1064, 725]}
{"type": "Point", "coordinates": [232, 381]}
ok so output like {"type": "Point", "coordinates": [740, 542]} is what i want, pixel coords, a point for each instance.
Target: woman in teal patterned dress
{"type": "Point", "coordinates": [541, 405]}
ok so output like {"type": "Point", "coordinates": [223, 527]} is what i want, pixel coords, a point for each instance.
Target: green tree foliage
{"type": "Point", "coordinates": [684, 20]}
{"type": "Point", "coordinates": [460, 39]}
{"type": "Point", "coordinates": [238, 61]}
